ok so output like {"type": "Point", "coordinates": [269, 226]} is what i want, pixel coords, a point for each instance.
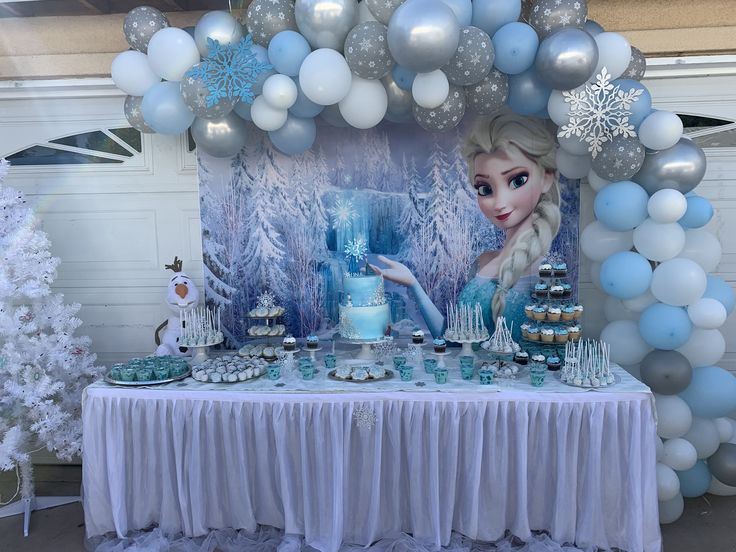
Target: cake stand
{"type": "Point", "coordinates": [200, 351]}
{"type": "Point", "coordinates": [441, 358]}
{"type": "Point", "coordinates": [414, 351]}
{"type": "Point", "coordinates": [312, 353]}
{"type": "Point", "coordinates": [365, 353]}
{"type": "Point", "coordinates": [467, 345]}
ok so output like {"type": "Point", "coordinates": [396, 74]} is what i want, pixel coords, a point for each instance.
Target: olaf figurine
{"type": "Point", "coordinates": [182, 296]}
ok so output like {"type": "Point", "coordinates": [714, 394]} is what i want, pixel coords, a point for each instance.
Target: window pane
{"type": "Point", "coordinates": [191, 146]}
{"type": "Point", "coordinates": [698, 122]}
{"type": "Point", "coordinates": [41, 155]}
{"type": "Point", "coordinates": [130, 136]}
{"type": "Point", "coordinates": [97, 141]}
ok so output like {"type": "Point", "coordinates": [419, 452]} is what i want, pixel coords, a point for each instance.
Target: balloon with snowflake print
{"type": "Point", "coordinates": [382, 10]}
{"type": "Point", "coordinates": [489, 95]}
{"type": "Point", "coordinates": [141, 24]}
{"type": "Point", "coordinates": [637, 66]}
{"type": "Point", "coordinates": [366, 50]}
{"type": "Point", "coordinates": [472, 60]}
{"type": "Point", "coordinates": [619, 159]}
{"type": "Point", "coordinates": [134, 115]}
{"type": "Point", "coordinates": [549, 15]}
{"type": "Point", "coordinates": [446, 116]}
{"type": "Point", "coordinates": [266, 18]}
{"type": "Point", "coordinates": [195, 92]}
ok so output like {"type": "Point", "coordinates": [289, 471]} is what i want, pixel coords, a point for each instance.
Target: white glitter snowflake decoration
{"type": "Point", "coordinates": [266, 300]}
{"type": "Point", "coordinates": [364, 417]}
{"type": "Point", "coordinates": [343, 214]}
{"type": "Point", "coordinates": [599, 112]}
{"type": "Point", "coordinates": [357, 248]}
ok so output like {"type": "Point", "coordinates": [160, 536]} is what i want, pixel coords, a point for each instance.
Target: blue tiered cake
{"type": "Point", "coordinates": [364, 313]}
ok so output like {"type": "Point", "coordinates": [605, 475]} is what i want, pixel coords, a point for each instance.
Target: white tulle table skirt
{"type": "Point", "coordinates": [360, 467]}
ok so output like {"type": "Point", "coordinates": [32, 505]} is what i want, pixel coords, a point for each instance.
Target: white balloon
{"type": "Point", "coordinates": [674, 417]}
{"type": "Point", "coordinates": [596, 182]}
{"type": "Point", "coordinates": [366, 103]}
{"type": "Point", "coordinates": [667, 205]}
{"type": "Point", "coordinates": [660, 130]}
{"type": "Point", "coordinates": [704, 348]}
{"type": "Point", "coordinates": [430, 90]}
{"type": "Point", "coordinates": [325, 77]}
{"type": "Point", "coordinates": [659, 242]}
{"type": "Point", "coordinates": [668, 484]}
{"type": "Point", "coordinates": [280, 91]}
{"type": "Point", "coordinates": [702, 247]}
{"type": "Point", "coordinates": [720, 489]}
{"type": "Point", "coordinates": [679, 454]}
{"type": "Point", "coordinates": [613, 309]}
{"type": "Point", "coordinates": [707, 313]}
{"type": "Point", "coordinates": [627, 345]}
{"type": "Point", "coordinates": [132, 73]}
{"type": "Point", "coordinates": [641, 302]}
{"type": "Point", "coordinates": [558, 108]}
{"type": "Point", "coordinates": [598, 242]}
{"type": "Point", "coordinates": [679, 282]}
{"type": "Point", "coordinates": [172, 52]}
{"type": "Point", "coordinates": [671, 510]}
{"type": "Point", "coordinates": [704, 437]}
{"type": "Point", "coordinates": [595, 275]}
{"type": "Point", "coordinates": [660, 448]}
{"type": "Point", "coordinates": [614, 53]}
{"type": "Point", "coordinates": [725, 429]}
{"type": "Point", "coordinates": [265, 116]}
{"type": "Point", "coordinates": [572, 166]}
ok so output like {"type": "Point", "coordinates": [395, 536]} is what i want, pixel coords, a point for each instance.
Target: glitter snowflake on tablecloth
{"type": "Point", "coordinates": [364, 417]}
{"type": "Point", "coordinates": [229, 71]}
{"type": "Point", "coordinates": [266, 300]}
{"type": "Point", "coordinates": [357, 248]}
{"type": "Point", "coordinates": [343, 213]}
{"type": "Point", "coordinates": [599, 112]}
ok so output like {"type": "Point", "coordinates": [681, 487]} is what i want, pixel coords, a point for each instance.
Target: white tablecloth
{"type": "Point", "coordinates": [355, 467]}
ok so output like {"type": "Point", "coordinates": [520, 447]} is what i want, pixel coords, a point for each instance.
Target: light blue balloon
{"type": "Point", "coordinates": [642, 107]}
{"type": "Point", "coordinates": [516, 46]}
{"type": "Point", "coordinates": [261, 55]}
{"type": "Point", "coordinates": [711, 393]}
{"type": "Point", "coordinates": [287, 51]}
{"type": "Point", "coordinates": [698, 214]}
{"type": "Point", "coordinates": [695, 481]}
{"type": "Point", "coordinates": [626, 275]}
{"type": "Point", "coordinates": [463, 10]}
{"type": "Point", "coordinates": [491, 15]}
{"type": "Point", "coordinates": [721, 291]}
{"type": "Point", "coordinates": [164, 109]}
{"type": "Point", "coordinates": [295, 137]}
{"type": "Point", "coordinates": [528, 94]}
{"type": "Point", "coordinates": [403, 77]}
{"type": "Point", "coordinates": [621, 206]}
{"type": "Point", "coordinates": [304, 107]}
{"type": "Point", "coordinates": [665, 327]}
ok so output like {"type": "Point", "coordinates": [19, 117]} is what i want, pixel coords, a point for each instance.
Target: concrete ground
{"type": "Point", "coordinates": [708, 524]}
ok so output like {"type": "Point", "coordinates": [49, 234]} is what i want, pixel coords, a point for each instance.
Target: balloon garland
{"type": "Point", "coordinates": [358, 64]}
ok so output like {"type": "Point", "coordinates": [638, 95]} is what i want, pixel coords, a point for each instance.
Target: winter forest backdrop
{"type": "Point", "coordinates": [278, 223]}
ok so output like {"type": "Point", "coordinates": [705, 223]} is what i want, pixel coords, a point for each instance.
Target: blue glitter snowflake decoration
{"type": "Point", "coordinates": [229, 71]}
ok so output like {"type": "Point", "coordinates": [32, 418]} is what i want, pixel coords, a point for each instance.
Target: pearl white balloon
{"type": "Point", "coordinates": [671, 510]}
{"type": "Point", "coordinates": [280, 91]}
{"type": "Point", "coordinates": [172, 52]}
{"type": "Point", "coordinates": [668, 484]}
{"type": "Point", "coordinates": [702, 247]}
{"type": "Point", "coordinates": [704, 437]}
{"type": "Point", "coordinates": [613, 309]}
{"type": "Point", "coordinates": [704, 348]}
{"type": "Point", "coordinates": [132, 73]}
{"type": "Point", "coordinates": [430, 90]}
{"type": "Point", "coordinates": [660, 130]}
{"type": "Point", "coordinates": [558, 109]}
{"type": "Point", "coordinates": [325, 77]}
{"type": "Point", "coordinates": [679, 282]}
{"type": "Point", "coordinates": [627, 345]}
{"type": "Point", "coordinates": [641, 302]}
{"type": "Point", "coordinates": [679, 454]}
{"type": "Point", "coordinates": [707, 313]}
{"type": "Point", "coordinates": [725, 429]}
{"type": "Point", "coordinates": [659, 242]}
{"type": "Point", "coordinates": [265, 116]}
{"type": "Point", "coordinates": [674, 416]}
{"type": "Point", "coordinates": [366, 103]}
{"type": "Point", "coordinates": [614, 53]}
{"type": "Point", "coordinates": [572, 166]}
{"type": "Point", "coordinates": [667, 205]}
{"type": "Point", "coordinates": [598, 242]}
{"type": "Point", "coordinates": [596, 182]}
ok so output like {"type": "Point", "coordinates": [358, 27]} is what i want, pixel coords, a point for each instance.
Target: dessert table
{"type": "Point", "coordinates": [341, 462]}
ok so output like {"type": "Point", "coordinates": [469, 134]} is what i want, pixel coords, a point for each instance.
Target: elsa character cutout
{"type": "Point", "coordinates": [511, 165]}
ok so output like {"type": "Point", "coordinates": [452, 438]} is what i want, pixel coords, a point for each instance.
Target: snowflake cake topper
{"type": "Point", "coordinates": [266, 300]}
{"type": "Point", "coordinates": [343, 214]}
{"type": "Point", "coordinates": [357, 248]}
{"type": "Point", "coordinates": [229, 71]}
{"type": "Point", "coordinates": [599, 112]}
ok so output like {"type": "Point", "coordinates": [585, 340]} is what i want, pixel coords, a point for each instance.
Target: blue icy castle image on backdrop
{"type": "Point", "coordinates": [283, 224]}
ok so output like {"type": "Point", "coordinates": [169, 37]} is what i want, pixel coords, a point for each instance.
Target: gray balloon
{"type": "Point", "coordinates": [266, 18]}
{"type": "Point", "coordinates": [326, 23]}
{"type": "Point", "coordinates": [722, 464]}
{"type": "Point", "coordinates": [549, 15]}
{"type": "Point", "coordinates": [133, 113]}
{"type": "Point", "coordinates": [472, 60]}
{"type": "Point", "coordinates": [680, 167]}
{"type": "Point", "coordinates": [141, 24]}
{"type": "Point", "coordinates": [332, 116]}
{"type": "Point", "coordinates": [383, 9]}
{"type": "Point", "coordinates": [400, 102]}
{"type": "Point", "coordinates": [637, 66]}
{"type": "Point", "coordinates": [217, 25]}
{"type": "Point", "coordinates": [489, 95]}
{"type": "Point", "coordinates": [567, 58]}
{"type": "Point", "coordinates": [446, 116]}
{"type": "Point", "coordinates": [195, 92]}
{"type": "Point", "coordinates": [366, 50]}
{"type": "Point", "coordinates": [423, 36]}
{"type": "Point", "coordinates": [620, 159]}
{"type": "Point", "coordinates": [220, 137]}
{"type": "Point", "coordinates": [666, 372]}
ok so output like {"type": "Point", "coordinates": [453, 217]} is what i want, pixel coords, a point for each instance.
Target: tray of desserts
{"type": "Point", "coordinates": [266, 352]}
{"type": "Point", "coordinates": [140, 372]}
{"type": "Point", "coordinates": [265, 313]}
{"type": "Point", "coordinates": [276, 330]}
{"type": "Point", "coordinates": [230, 369]}
{"type": "Point", "coordinates": [360, 371]}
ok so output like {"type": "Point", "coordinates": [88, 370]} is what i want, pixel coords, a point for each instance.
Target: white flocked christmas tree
{"type": "Point", "coordinates": [43, 366]}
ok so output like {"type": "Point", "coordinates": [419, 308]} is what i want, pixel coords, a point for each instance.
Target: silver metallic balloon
{"type": "Point", "coordinates": [382, 10]}
{"type": "Point", "coordinates": [567, 58]}
{"type": "Point", "coordinates": [445, 117]}
{"type": "Point", "coordinates": [195, 92]}
{"type": "Point", "coordinates": [332, 116]}
{"type": "Point", "coordinates": [220, 137]}
{"type": "Point", "coordinates": [489, 95]}
{"type": "Point", "coordinates": [266, 18]}
{"type": "Point", "coordinates": [549, 15]}
{"type": "Point", "coordinates": [722, 464]}
{"type": "Point", "coordinates": [133, 113]}
{"type": "Point", "coordinates": [326, 23]}
{"type": "Point", "coordinates": [473, 58]}
{"type": "Point", "coordinates": [593, 28]}
{"type": "Point", "coordinates": [366, 50]}
{"type": "Point", "coordinates": [666, 372]}
{"type": "Point", "coordinates": [620, 159]}
{"type": "Point", "coordinates": [400, 102]}
{"type": "Point", "coordinates": [141, 24]}
{"type": "Point", "coordinates": [219, 26]}
{"type": "Point", "coordinates": [423, 35]}
{"type": "Point", "coordinates": [637, 66]}
{"type": "Point", "coordinates": [680, 167]}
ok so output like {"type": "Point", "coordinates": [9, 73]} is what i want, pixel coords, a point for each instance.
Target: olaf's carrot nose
{"type": "Point", "coordinates": [181, 290]}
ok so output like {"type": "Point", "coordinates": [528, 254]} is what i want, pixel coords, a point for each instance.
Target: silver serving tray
{"type": "Point", "coordinates": [108, 379]}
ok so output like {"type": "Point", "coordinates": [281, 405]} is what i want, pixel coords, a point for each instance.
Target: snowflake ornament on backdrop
{"type": "Point", "coordinates": [599, 113]}
{"type": "Point", "coordinates": [342, 213]}
{"type": "Point", "coordinates": [229, 71]}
